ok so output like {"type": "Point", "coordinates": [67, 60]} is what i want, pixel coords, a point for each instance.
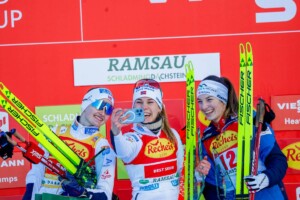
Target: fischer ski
{"type": "Point", "coordinates": [245, 120]}
{"type": "Point", "coordinates": [190, 147]}
{"type": "Point", "coordinates": [50, 141]}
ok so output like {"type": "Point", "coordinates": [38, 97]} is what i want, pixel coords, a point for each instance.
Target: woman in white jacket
{"type": "Point", "coordinates": [151, 150]}
{"type": "Point", "coordinates": [82, 136]}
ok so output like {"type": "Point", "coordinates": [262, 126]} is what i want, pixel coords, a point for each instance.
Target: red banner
{"type": "Point", "coordinates": [13, 171]}
{"type": "Point", "coordinates": [68, 20]}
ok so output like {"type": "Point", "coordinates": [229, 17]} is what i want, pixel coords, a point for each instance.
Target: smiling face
{"type": "Point", "coordinates": [91, 116]}
{"type": "Point", "coordinates": [212, 107]}
{"type": "Point", "coordinates": [151, 108]}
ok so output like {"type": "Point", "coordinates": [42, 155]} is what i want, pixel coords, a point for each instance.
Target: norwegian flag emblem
{"type": "Point", "coordinates": [143, 92]}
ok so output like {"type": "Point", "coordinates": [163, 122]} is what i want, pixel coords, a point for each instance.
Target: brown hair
{"type": "Point", "coordinates": [166, 126]}
{"type": "Point", "coordinates": [232, 102]}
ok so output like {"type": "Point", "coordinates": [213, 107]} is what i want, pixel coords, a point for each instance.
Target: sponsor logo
{"type": "Point", "coordinates": [159, 148]}
{"type": "Point", "coordinates": [146, 63]}
{"type": "Point", "coordinates": [63, 129]}
{"type": "Point", "coordinates": [290, 106]}
{"type": "Point", "coordinates": [48, 181]}
{"type": "Point", "coordinates": [90, 131]}
{"type": "Point", "coordinates": [150, 187]}
{"type": "Point", "coordinates": [288, 10]}
{"type": "Point", "coordinates": [107, 162]}
{"type": "Point", "coordinates": [105, 175]}
{"type": "Point", "coordinates": [50, 118]}
{"type": "Point", "coordinates": [206, 89]}
{"type": "Point", "coordinates": [135, 137]}
{"type": "Point", "coordinates": [143, 181]}
{"type": "Point", "coordinates": [139, 127]}
{"type": "Point", "coordinates": [224, 141]}
{"type": "Point", "coordinates": [175, 182]}
{"type": "Point", "coordinates": [34, 153]}
{"type": "Point", "coordinates": [165, 68]}
{"type": "Point", "coordinates": [292, 153]}
{"type": "Point", "coordinates": [220, 97]}
{"type": "Point", "coordinates": [164, 178]}
{"type": "Point", "coordinates": [287, 109]}
{"type": "Point", "coordinates": [103, 90]}
{"type": "Point", "coordinates": [10, 17]}
{"type": "Point", "coordinates": [130, 139]}
{"type": "Point", "coordinates": [12, 163]}
{"type": "Point", "coordinates": [78, 148]}
{"type": "Point", "coordinates": [75, 126]}
{"type": "Point", "coordinates": [95, 138]}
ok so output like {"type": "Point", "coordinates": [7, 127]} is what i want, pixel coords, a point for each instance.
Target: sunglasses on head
{"type": "Point", "coordinates": [149, 82]}
{"type": "Point", "coordinates": [100, 105]}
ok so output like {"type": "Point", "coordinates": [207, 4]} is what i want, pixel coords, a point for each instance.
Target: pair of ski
{"type": "Point", "coordinates": [191, 188]}
{"type": "Point", "coordinates": [248, 143]}
{"type": "Point", "coordinates": [49, 140]}
{"type": "Point", "coordinates": [245, 120]}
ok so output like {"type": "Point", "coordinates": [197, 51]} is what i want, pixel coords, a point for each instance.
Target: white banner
{"type": "Point", "coordinates": [126, 70]}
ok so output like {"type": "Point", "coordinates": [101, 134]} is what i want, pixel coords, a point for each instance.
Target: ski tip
{"type": "Point", "coordinates": [242, 48]}
{"type": "Point", "coordinates": [248, 47]}
{"type": "Point", "coordinates": [189, 66]}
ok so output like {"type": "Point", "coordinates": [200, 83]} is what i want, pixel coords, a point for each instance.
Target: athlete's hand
{"type": "Point", "coordinates": [71, 187]}
{"type": "Point", "coordinates": [257, 183]}
{"type": "Point", "coordinates": [203, 166]}
{"type": "Point", "coordinates": [6, 148]}
{"type": "Point", "coordinates": [116, 125]}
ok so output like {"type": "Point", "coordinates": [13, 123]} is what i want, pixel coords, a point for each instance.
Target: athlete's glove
{"type": "Point", "coordinates": [6, 148]}
{"type": "Point", "coordinates": [257, 183]}
{"type": "Point", "coordinates": [71, 187]}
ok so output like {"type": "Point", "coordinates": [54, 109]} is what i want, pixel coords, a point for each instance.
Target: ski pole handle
{"type": "Point", "coordinates": [18, 135]}
{"type": "Point", "coordinates": [261, 111]}
{"type": "Point", "coordinates": [14, 143]}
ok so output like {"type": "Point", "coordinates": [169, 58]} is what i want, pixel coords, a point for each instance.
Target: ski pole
{"type": "Point", "coordinates": [33, 153]}
{"type": "Point", "coordinates": [260, 112]}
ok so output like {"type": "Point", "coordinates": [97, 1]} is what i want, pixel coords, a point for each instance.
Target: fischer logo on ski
{"type": "Point", "coordinates": [245, 119]}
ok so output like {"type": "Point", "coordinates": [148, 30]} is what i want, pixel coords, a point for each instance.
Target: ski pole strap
{"type": "Point", "coordinates": [260, 112]}
{"type": "Point", "coordinates": [86, 175]}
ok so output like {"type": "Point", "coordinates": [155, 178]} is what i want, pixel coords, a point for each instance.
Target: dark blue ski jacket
{"type": "Point", "coordinates": [219, 143]}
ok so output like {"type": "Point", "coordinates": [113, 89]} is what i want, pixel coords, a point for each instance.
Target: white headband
{"type": "Point", "coordinates": [94, 95]}
{"type": "Point", "coordinates": [148, 91]}
{"type": "Point", "coordinates": [214, 89]}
